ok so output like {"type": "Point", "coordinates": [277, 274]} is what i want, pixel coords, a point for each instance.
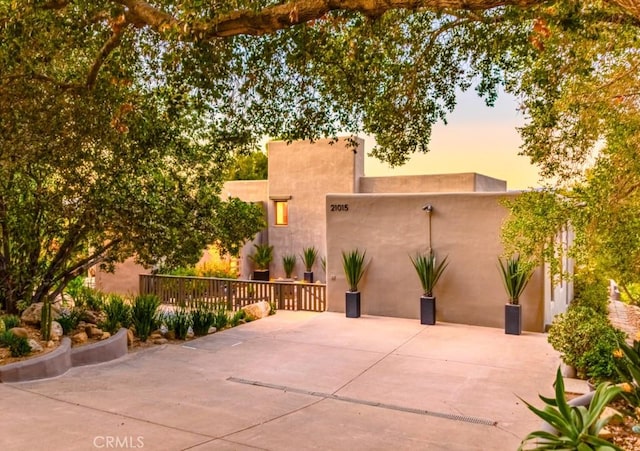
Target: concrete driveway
{"type": "Point", "coordinates": [295, 381]}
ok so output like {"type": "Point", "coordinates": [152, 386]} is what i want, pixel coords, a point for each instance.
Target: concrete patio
{"type": "Point", "coordinates": [296, 380]}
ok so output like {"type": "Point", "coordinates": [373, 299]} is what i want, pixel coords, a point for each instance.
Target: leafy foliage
{"type": "Point", "coordinates": [627, 363]}
{"type": "Point", "coordinates": [515, 277]}
{"type": "Point", "coordinates": [69, 319]}
{"type": "Point", "coordinates": [586, 340]}
{"type": "Point", "coordinates": [144, 314]}
{"type": "Point", "coordinates": [429, 271]}
{"type": "Point", "coordinates": [353, 263]}
{"type": "Point", "coordinates": [262, 256]}
{"type": "Point", "coordinates": [577, 426]}
{"type": "Point", "coordinates": [237, 318]}
{"type": "Point", "coordinates": [11, 321]}
{"type": "Point", "coordinates": [179, 321]}
{"type": "Point", "coordinates": [118, 312]}
{"type": "Point", "coordinates": [253, 166]}
{"type": "Point", "coordinates": [309, 255]}
{"type": "Point", "coordinates": [18, 346]}
{"type": "Point", "coordinates": [221, 319]}
{"type": "Point", "coordinates": [202, 317]}
{"type": "Point", "coordinates": [590, 290]}
{"type": "Point", "coordinates": [289, 264]}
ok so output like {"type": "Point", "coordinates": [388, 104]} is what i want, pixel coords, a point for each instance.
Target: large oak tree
{"type": "Point", "coordinates": [118, 118]}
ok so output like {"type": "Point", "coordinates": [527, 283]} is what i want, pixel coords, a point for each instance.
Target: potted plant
{"type": "Point", "coordinates": [289, 264]}
{"type": "Point", "coordinates": [429, 272]}
{"type": "Point", "coordinates": [515, 277]}
{"type": "Point", "coordinates": [309, 255]}
{"type": "Point", "coordinates": [262, 258]}
{"type": "Point", "coordinates": [354, 268]}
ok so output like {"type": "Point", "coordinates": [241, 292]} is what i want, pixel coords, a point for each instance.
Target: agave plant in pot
{"type": "Point", "coordinates": [309, 255]}
{"type": "Point", "coordinates": [429, 272]}
{"type": "Point", "coordinates": [515, 277]}
{"type": "Point", "coordinates": [354, 267]}
{"type": "Point", "coordinates": [262, 257]}
{"type": "Point", "coordinates": [289, 264]}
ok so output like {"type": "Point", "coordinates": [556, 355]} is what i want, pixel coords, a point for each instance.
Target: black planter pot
{"type": "Point", "coordinates": [352, 306]}
{"type": "Point", "coordinates": [308, 276]}
{"type": "Point", "coordinates": [427, 310]}
{"type": "Point", "coordinates": [261, 274]}
{"type": "Point", "coordinates": [513, 319]}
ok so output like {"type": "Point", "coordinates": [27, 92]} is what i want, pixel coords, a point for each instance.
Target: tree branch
{"type": "Point", "coordinates": [112, 43]}
{"type": "Point", "coordinates": [278, 17]}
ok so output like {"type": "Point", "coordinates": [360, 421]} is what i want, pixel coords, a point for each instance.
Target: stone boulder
{"type": "Point", "coordinates": [256, 311]}
{"type": "Point", "coordinates": [130, 337]}
{"type": "Point", "coordinates": [56, 330]}
{"type": "Point", "coordinates": [79, 338]}
{"type": "Point", "coordinates": [63, 302]}
{"type": "Point", "coordinates": [34, 345]}
{"type": "Point", "coordinates": [105, 335]}
{"type": "Point", "coordinates": [89, 316]}
{"type": "Point", "coordinates": [19, 332]}
{"type": "Point", "coordinates": [94, 332]}
{"type": "Point", "coordinates": [33, 314]}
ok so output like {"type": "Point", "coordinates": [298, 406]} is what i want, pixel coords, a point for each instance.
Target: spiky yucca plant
{"type": "Point", "coordinates": [289, 264]}
{"type": "Point", "coordinates": [309, 255]}
{"type": "Point", "coordinates": [429, 271]}
{"type": "Point", "coordinates": [354, 267]}
{"type": "Point", "coordinates": [515, 277]}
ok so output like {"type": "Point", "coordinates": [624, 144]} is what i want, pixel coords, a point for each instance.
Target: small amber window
{"type": "Point", "coordinates": [282, 212]}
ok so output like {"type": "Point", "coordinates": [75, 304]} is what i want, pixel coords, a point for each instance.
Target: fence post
{"type": "Point", "coordinates": [229, 286]}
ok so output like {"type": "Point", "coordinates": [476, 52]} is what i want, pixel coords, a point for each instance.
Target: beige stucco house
{"type": "Point", "coordinates": [318, 195]}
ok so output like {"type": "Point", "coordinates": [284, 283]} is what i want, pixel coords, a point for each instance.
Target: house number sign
{"type": "Point", "coordinates": [339, 207]}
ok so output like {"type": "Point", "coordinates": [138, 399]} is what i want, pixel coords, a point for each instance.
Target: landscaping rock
{"type": "Point", "coordinates": [160, 341]}
{"type": "Point", "coordinates": [94, 332]}
{"type": "Point", "coordinates": [212, 330]}
{"type": "Point", "coordinates": [171, 335]}
{"type": "Point", "coordinates": [50, 344]}
{"type": "Point", "coordinates": [616, 417]}
{"type": "Point", "coordinates": [130, 337]}
{"type": "Point", "coordinates": [155, 335]}
{"type": "Point", "coordinates": [35, 346]}
{"type": "Point", "coordinates": [80, 337]}
{"type": "Point", "coordinates": [90, 316]}
{"type": "Point", "coordinates": [19, 332]}
{"type": "Point", "coordinates": [105, 335]}
{"type": "Point", "coordinates": [257, 311]}
{"type": "Point", "coordinates": [33, 313]}
{"type": "Point", "coordinates": [605, 434]}
{"type": "Point", "coordinates": [190, 334]}
{"type": "Point", "coordinates": [56, 330]}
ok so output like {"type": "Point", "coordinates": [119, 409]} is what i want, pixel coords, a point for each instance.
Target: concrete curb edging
{"type": "Point", "coordinates": [62, 359]}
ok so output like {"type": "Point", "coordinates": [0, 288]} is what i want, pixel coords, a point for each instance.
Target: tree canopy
{"type": "Point", "coordinates": [122, 115]}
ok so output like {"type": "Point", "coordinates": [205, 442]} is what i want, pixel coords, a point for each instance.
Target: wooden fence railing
{"type": "Point", "coordinates": [234, 294]}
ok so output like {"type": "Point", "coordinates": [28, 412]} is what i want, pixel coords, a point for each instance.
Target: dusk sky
{"type": "Point", "coordinates": [476, 139]}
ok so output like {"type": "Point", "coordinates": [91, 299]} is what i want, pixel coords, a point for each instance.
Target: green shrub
{"type": "Point", "coordinates": [73, 288]}
{"type": "Point", "coordinates": [5, 338]}
{"type": "Point", "coordinates": [586, 340]}
{"type": "Point", "coordinates": [634, 291]}
{"type": "Point", "coordinates": [11, 321]}
{"type": "Point", "coordinates": [143, 314]}
{"type": "Point", "coordinates": [590, 290]}
{"type": "Point", "coordinates": [90, 298]}
{"type": "Point", "coordinates": [181, 322]}
{"type": "Point", "coordinates": [237, 317]}
{"type": "Point", "coordinates": [203, 318]}
{"type": "Point", "coordinates": [18, 346]}
{"type": "Point", "coordinates": [220, 319]}
{"type": "Point", "coordinates": [118, 313]}
{"type": "Point", "coordinates": [69, 319]}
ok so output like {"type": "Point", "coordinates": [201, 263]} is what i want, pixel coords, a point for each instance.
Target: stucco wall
{"type": "Point", "coordinates": [431, 183]}
{"type": "Point", "coordinates": [125, 280]}
{"type": "Point", "coordinates": [305, 172]}
{"type": "Point", "coordinates": [484, 183]}
{"type": "Point", "coordinates": [393, 226]}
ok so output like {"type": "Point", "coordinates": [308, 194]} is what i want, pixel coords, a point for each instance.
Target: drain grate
{"type": "Point", "coordinates": [446, 416]}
